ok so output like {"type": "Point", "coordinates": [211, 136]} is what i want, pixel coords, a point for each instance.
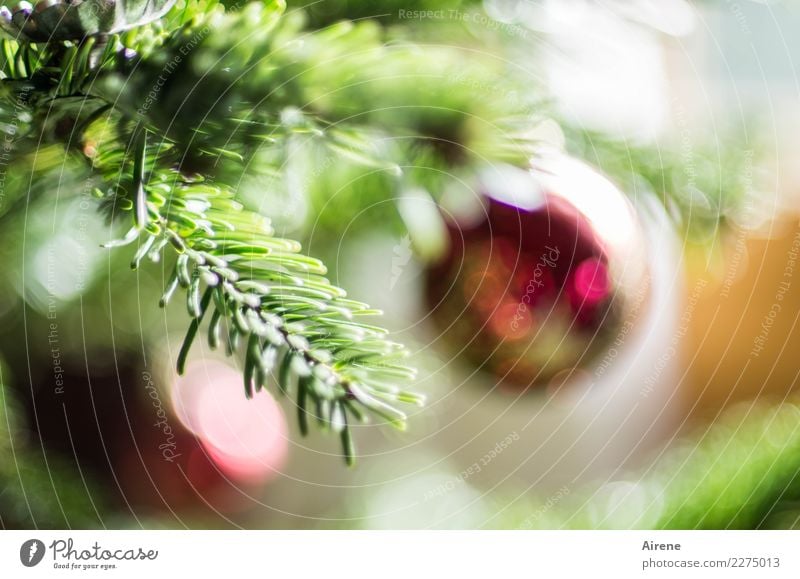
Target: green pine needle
{"type": "Point", "coordinates": [261, 291]}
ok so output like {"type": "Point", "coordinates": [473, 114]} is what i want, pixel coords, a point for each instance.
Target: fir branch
{"type": "Point", "coordinates": [258, 293]}
{"type": "Point", "coordinates": [346, 75]}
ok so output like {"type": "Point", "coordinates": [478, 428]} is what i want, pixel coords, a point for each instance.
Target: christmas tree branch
{"type": "Point", "coordinates": [253, 288]}
{"type": "Point", "coordinates": [257, 290]}
{"type": "Point", "coordinates": [344, 77]}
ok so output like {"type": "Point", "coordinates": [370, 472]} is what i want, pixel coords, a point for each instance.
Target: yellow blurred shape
{"type": "Point", "coordinates": [743, 338]}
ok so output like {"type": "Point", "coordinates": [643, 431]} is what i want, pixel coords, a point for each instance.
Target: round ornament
{"type": "Point", "coordinates": [543, 277]}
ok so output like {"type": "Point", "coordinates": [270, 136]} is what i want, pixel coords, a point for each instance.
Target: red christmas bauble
{"type": "Point", "coordinates": [205, 448]}
{"type": "Point", "coordinates": [539, 281]}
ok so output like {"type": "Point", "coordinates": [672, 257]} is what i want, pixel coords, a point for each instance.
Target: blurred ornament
{"type": "Point", "coordinates": [543, 278]}
{"type": "Point", "coordinates": [246, 438]}
{"type": "Point", "coordinates": [210, 448]}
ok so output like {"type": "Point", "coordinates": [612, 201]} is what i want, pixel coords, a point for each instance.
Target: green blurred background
{"type": "Point", "coordinates": [702, 94]}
